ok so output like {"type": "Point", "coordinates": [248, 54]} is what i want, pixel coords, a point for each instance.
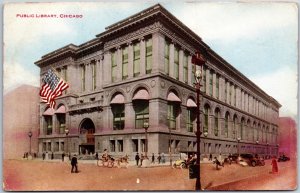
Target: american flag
{"type": "Point", "coordinates": [52, 88]}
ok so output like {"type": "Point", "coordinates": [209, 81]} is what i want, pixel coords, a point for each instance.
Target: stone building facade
{"type": "Point", "coordinates": [139, 70]}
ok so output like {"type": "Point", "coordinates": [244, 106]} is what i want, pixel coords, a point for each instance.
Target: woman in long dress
{"type": "Point", "coordinates": [274, 165]}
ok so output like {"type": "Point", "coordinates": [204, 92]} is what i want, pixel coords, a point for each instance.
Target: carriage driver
{"type": "Point", "coordinates": [105, 155]}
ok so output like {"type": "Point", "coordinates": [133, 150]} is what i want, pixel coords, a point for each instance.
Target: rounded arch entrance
{"type": "Point", "coordinates": [87, 137]}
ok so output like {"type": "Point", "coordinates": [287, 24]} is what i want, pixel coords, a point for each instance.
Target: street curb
{"type": "Point", "coordinates": [239, 180]}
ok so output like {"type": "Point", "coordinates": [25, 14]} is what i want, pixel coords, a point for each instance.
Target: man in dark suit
{"type": "Point", "coordinates": [74, 164]}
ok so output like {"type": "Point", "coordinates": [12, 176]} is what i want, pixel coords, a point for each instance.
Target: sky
{"type": "Point", "coordinates": [258, 39]}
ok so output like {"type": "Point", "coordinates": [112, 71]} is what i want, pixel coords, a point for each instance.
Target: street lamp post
{"type": "Point", "coordinates": [198, 60]}
{"type": "Point", "coordinates": [146, 126]}
{"type": "Point", "coordinates": [29, 135]}
{"type": "Point", "coordinates": [67, 133]}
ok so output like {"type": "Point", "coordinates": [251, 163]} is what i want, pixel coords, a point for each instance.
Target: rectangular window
{"type": "Point", "coordinates": [94, 71]}
{"type": "Point", "coordinates": [83, 78]}
{"type": "Point", "coordinates": [172, 111]}
{"type": "Point", "coordinates": [176, 63]}
{"type": "Point", "coordinates": [49, 146]}
{"type": "Point", "coordinates": [141, 113]}
{"type": "Point", "coordinates": [217, 86]}
{"type": "Point", "coordinates": [210, 83]}
{"type": "Point", "coordinates": [44, 146]}
{"type": "Point", "coordinates": [185, 68]}
{"type": "Point", "coordinates": [113, 66]}
{"type": "Point", "coordinates": [112, 145]}
{"type": "Point", "coordinates": [48, 120]}
{"type": "Point", "coordinates": [118, 116]}
{"type": "Point", "coordinates": [149, 56]}
{"type": "Point", "coordinates": [136, 59]}
{"type": "Point", "coordinates": [135, 145]}
{"type": "Point", "coordinates": [190, 119]}
{"type": "Point", "coordinates": [124, 63]}
{"type": "Point", "coordinates": [56, 147]}
{"type": "Point", "coordinates": [167, 57]}
{"type": "Point", "coordinates": [120, 145]}
{"type": "Point", "coordinates": [143, 144]}
{"type": "Point", "coordinates": [62, 146]}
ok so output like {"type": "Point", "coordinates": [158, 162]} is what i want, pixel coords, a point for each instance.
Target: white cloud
{"type": "Point", "coordinates": [281, 85]}
{"type": "Point", "coordinates": [16, 74]}
{"type": "Point", "coordinates": [231, 21]}
{"type": "Point", "coordinates": [23, 31]}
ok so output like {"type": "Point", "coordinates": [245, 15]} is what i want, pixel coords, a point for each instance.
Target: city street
{"type": "Point", "coordinates": [30, 175]}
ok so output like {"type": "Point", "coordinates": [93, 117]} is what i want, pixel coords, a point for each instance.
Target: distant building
{"type": "Point", "coordinates": [139, 71]}
{"type": "Point", "coordinates": [20, 116]}
{"type": "Point", "coordinates": [287, 137]}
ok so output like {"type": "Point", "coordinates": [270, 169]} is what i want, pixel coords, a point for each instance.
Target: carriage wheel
{"type": "Point", "coordinates": [99, 163]}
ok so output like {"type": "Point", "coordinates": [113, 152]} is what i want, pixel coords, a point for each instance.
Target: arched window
{"type": "Point", "coordinates": [173, 109]}
{"type": "Point", "coordinates": [226, 124]}
{"type": "Point", "coordinates": [49, 112]}
{"type": "Point", "coordinates": [61, 119]}
{"type": "Point", "coordinates": [234, 127]}
{"type": "Point", "coordinates": [191, 114]}
{"type": "Point", "coordinates": [141, 107]}
{"type": "Point", "coordinates": [254, 132]}
{"type": "Point", "coordinates": [206, 116]}
{"type": "Point", "coordinates": [242, 128]}
{"type": "Point", "coordinates": [217, 117]}
{"type": "Point", "coordinates": [118, 110]}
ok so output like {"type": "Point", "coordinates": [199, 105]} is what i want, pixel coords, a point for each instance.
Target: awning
{"type": "Point", "coordinates": [173, 97]}
{"type": "Point", "coordinates": [61, 109]}
{"type": "Point", "coordinates": [141, 94]}
{"type": "Point", "coordinates": [49, 112]}
{"type": "Point", "coordinates": [118, 99]}
{"type": "Point", "coordinates": [191, 103]}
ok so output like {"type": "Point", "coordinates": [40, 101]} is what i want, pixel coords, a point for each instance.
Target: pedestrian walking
{"type": "Point", "coordinates": [43, 155]}
{"type": "Point", "coordinates": [63, 156]}
{"type": "Point", "coordinates": [210, 157]}
{"type": "Point", "coordinates": [153, 158]}
{"type": "Point", "coordinates": [159, 158]}
{"type": "Point", "coordinates": [274, 165]}
{"type": "Point", "coordinates": [163, 159]}
{"type": "Point", "coordinates": [97, 156]}
{"type": "Point", "coordinates": [137, 158]}
{"type": "Point", "coordinates": [74, 164]}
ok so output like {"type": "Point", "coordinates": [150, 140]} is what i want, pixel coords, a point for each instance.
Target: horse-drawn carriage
{"type": "Point", "coordinates": [108, 161]}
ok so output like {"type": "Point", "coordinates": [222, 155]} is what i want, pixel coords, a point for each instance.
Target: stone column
{"type": "Point", "coordinates": [142, 57]}
{"type": "Point", "coordinates": [129, 116]}
{"type": "Point", "coordinates": [207, 80]}
{"type": "Point", "coordinates": [158, 47]}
